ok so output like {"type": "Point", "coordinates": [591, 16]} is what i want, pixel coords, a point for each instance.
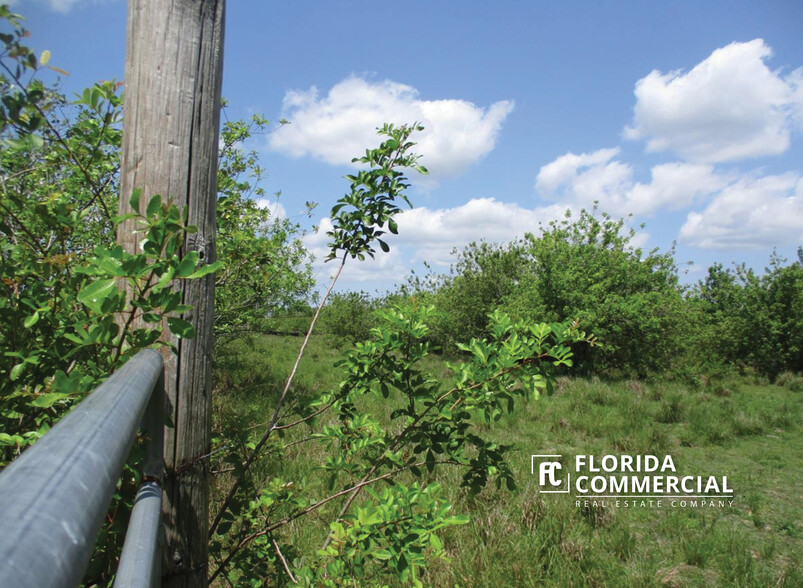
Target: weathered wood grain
{"type": "Point", "coordinates": [171, 123]}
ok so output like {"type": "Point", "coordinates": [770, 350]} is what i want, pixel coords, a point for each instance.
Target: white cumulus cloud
{"type": "Point", "coordinates": [341, 124]}
{"type": "Point", "coordinates": [434, 233]}
{"type": "Point", "coordinates": [673, 186]}
{"type": "Point", "coordinates": [729, 107]}
{"type": "Point", "coordinates": [750, 213]}
{"type": "Point", "coordinates": [585, 177]}
{"type": "Point", "coordinates": [431, 235]}
{"type": "Point", "coordinates": [581, 180]}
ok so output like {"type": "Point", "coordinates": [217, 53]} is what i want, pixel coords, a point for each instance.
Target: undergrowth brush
{"type": "Point", "coordinates": [750, 433]}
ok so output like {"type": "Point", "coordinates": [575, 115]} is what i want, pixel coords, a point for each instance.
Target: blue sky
{"type": "Point", "coordinates": [689, 115]}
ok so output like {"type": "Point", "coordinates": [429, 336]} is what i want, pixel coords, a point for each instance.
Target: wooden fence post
{"type": "Point", "coordinates": [171, 124]}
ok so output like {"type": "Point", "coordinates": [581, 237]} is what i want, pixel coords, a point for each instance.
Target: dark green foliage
{"type": "Point", "coordinates": [267, 269]}
{"type": "Point", "coordinates": [360, 216]}
{"type": "Point", "coordinates": [587, 270]}
{"type": "Point", "coordinates": [584, 270]}
{"type": "Point", "coordinates": [754, 321]}
{"type": "Point", "coordinates": [349, 316]}
{"type": "Point", "coordinates": [484, 275]}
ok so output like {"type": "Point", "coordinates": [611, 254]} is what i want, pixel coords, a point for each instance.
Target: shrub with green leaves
{"type": "Point", "coordinates": [70, 296]}
{"type": "Point", "coordinates": [484, 275]}
{"type": "Point", "coordinates": [583, 269]}
{"type": "Point", "coordinates": [586, 269]}
{"type": "Point", "coordinates": [754, 321]}
{"type": "Point", "coordinates": [429, 425]}
{"type": "Point", "coordinates": [349, 316]}
{"type": "Point", "coordinates": [424, 426]}
{"type": "Point", "coordinates": [74, 325]}
{"type": "Point", "coordinates": [267, 271]}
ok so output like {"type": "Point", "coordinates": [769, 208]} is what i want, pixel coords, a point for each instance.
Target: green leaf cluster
{"type": "Point", "coordinates": [74, 306]}
{"type": "Point", "coordinates": [360, 217]}
{"type": "Point", "coordinates": [69, 320]}
{"type": "Point", "coordinates": [582, 269]}
{"type": "Point", "coordinates": [393, 534]}
{"type": "Point", "coordinates": [752, 321]}
{"type": "Point", "coordinates": [432, 422]}
{"type": "Point", "coordinates": [268, 271]}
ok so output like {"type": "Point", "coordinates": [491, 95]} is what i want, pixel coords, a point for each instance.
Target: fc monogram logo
{"type": "Point", "coordinates": [549, 474]}
{"type": "Point", "coordinates": [547, 471]}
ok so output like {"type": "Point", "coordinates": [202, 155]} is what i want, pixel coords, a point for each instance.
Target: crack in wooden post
{"type": "Point", "coordinates": [170, 142]}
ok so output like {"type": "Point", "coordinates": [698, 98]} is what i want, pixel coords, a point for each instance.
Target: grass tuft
{"type": "Point", "coordinates": [752, 433]}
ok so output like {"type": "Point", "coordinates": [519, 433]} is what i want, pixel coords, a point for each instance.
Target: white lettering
{"type": "Point", "coordinates": [618, 484]}
{"type": "Point", "coordinates": [640, 485]}
{"type": "Point", "coordinates": [668, 464]}
{"type": "Point", "coordinates": [672, 484]}
{"type": "Point", "coordinates": [609, 459]}
{"type": "Point", "coordinates": [577, 483]}
{"type": "Point", "coordinates": [686, 489]}
{"type": "Point", "coordinates": [627, 463]}
{"type": "Point", "coordinates": [598, 488]}
{"type": "Point", "coordinates": [712, 485]}
{"type": "Point", "coordinates": [650, 463]}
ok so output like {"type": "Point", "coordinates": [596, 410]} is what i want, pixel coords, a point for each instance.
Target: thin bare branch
{"type": "Point", "coordinates": [284, 561]}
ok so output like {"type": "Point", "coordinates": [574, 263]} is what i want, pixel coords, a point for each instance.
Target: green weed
{"type": "Point", "coordinates": [524, 538]}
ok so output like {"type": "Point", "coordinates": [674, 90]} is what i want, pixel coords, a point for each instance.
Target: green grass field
{"type": "Point", "coordinates": [750, 432]}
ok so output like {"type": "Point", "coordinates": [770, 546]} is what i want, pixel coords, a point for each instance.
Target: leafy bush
{"type": "Point", "coordinates": [422, 426]}
{"type": "Point", "coordinates": [754, 321]}
{"type": "Point", "coordinates": [349, 316]}
{"type": "Point", "coordinates": [268, 270]}
{"type": "Point", "coordinates": [587, 270]}
{"type": "Point", "coordinates": [584, 270]}
{"type": "Point", "coordinates": [70, 299]}
{"type": "Point", "coordinates": [484, 275]}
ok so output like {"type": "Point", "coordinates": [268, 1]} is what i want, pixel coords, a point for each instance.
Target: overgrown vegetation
{"type": "Point", "coordinates": [754, 321]}
{"type": "Point", "coordinates": [741, 427]}
{"type": "Point", "coordinates": [267, 270]}
{"type": "Point", "coordinates": [70, 294]}
{"type": "Point", "coordinates": [72, 299]}
{"type": "Point", "coordinates": [399, 456]}
{"type": "Point", "coordinates": [75, 306]}
{"type": "Point", "coordinates": [585, 269]}
{"type": "Point", "coordinates": [423, 423]}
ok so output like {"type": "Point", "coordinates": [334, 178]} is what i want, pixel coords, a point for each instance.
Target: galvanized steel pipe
{"type": "Point", "coordinates": [54, 496]}
{"type": "Point", "coordinates": [140, 561]}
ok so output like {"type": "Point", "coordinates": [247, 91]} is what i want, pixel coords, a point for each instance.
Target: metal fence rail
{"type": "Point", "coordinates": [54, 496]}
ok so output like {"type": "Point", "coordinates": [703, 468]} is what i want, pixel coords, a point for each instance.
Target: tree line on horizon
{"type": "Point", "coordinates": [513, 315]}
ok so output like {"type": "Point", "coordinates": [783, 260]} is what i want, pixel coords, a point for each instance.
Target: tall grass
{"type": "Point", "coordinates": [751, 433]}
